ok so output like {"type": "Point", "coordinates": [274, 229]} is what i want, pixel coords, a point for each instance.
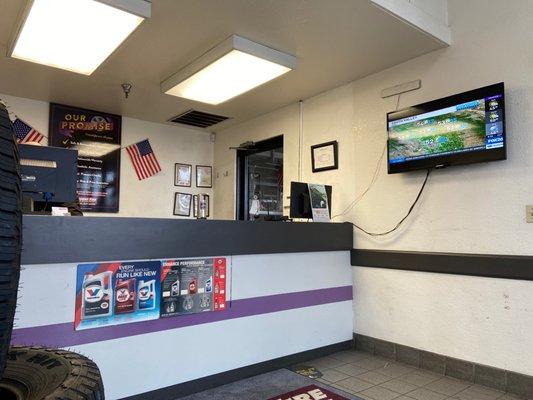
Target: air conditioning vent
{"type": "Point", "coordinates": [198, 118]}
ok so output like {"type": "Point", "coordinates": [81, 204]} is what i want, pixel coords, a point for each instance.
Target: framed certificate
{"type": "Point", "coordinates": [196, 205]}
{"type": "Point", "coordinates": [207, 201]}
{"type": "Point", "coordinates": [182, 174]}
{"type": "Point", "coordinates": [324, 156]}
{"type": "Point", "coordinates": [182, 204]}
{"type": "Point", "coordinates": [204, 176]}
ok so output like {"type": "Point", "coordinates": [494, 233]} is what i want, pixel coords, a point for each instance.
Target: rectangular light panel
{"type": "Point", "coordinates": [234, 72]}
{"type": "Point", "coordinates": [76, 35]}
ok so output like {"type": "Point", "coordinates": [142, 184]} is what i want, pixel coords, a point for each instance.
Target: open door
{"type": "Point", "coordinates": [260, 180]}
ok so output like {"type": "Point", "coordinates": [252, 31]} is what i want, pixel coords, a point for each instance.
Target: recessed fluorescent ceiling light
{"type": "Point", "coordinates": [76, 35]}
{"type": "Point", "coordinates": [235, 66]}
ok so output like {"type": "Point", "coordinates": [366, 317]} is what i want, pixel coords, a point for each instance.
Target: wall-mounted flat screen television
{"type": "Point", "coordinates": [461, 129]}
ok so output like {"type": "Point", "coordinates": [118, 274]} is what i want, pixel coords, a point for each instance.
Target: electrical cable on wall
{"type": "Point", "coordinates": [403, 219]}
{"type": "Point", "coordinates": [375, 176]}
{"type": "Point", "coordinates": [300, 138]}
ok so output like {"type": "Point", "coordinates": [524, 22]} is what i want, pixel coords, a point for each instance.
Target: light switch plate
{"type": "Point", "coordinates": [529, 214]}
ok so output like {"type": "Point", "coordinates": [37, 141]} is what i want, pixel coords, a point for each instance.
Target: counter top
{"type": "Point", "coordinates": [49, 239]}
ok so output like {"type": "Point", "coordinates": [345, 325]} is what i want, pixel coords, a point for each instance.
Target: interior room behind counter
{"type": "Point", "coordinates": [266, 200]}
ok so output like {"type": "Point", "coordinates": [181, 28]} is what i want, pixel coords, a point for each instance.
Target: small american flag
{"type": "Point", "coordinates": [143, 159]}
{"type": "Point", "coordinates": [25, 133]}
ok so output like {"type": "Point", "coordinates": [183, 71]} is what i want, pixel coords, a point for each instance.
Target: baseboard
{"type": "Point", "coordinates": [500, 379]}
{"type": "Point", "coordinates": [209, 382]}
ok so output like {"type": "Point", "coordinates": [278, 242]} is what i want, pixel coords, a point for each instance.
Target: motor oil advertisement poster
{"type": "Point", "coordinates": [191, 286]}
{"type": "Point", "coordinates": [97, 137]}
{"type": "Point", "coordinates": [117, 293]}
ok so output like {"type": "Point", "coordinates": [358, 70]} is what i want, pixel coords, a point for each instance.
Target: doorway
{"type": "Point", "coordinates": [260, 181]}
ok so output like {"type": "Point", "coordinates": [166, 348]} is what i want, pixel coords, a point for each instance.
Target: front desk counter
{"type": "Point", "coordinates": [289, 298]}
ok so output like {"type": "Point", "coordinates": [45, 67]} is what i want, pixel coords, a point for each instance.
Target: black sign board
{"type": "Point", "coordinates": [97, 137]}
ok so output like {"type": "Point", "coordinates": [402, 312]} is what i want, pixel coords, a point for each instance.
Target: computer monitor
{"type": "Point", "coordinates": [301, 202]}
{"type": "Point", "coordinates": [48, 173]}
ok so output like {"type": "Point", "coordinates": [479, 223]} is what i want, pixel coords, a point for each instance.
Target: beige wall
{"type": "Point", "coordinates": [326, 117]}
{"type": "Point", "coordinates": [283, 122]}
{"type": "Point", "coordinates": [152, 197]}
{"type": "Point", "coordinates": [471, 209]}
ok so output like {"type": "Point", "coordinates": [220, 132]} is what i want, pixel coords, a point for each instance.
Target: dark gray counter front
{"type": "Point", "coordinates": [85, 239]}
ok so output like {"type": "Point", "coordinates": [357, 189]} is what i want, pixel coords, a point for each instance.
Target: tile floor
{"type": "Point", "coordinates": [262, 387]}
{"type": "Point", "coordinates": [375, 378]}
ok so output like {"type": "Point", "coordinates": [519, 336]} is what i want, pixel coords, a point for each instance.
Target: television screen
{"type": "Point", "coordinates": [460, 129]}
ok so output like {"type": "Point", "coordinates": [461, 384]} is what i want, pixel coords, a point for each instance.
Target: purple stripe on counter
{"type": "Point", "coordinates": [64, 335]}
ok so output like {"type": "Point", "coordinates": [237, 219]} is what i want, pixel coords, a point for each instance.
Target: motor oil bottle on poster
{"type": "Point", "coordinates": [191, 286]}
{"type": "Point", "coordinates": [97, 295]}
{"type": "Point", "coordinates": [124, 296]}
{"type": "Point", "coordinates": [116, 293]}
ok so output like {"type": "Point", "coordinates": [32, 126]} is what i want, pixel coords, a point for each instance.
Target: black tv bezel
{"type": "Point", "coordinates": [496, 154]}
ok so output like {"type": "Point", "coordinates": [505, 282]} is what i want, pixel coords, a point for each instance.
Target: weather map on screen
{"type": "Point", "coordinates": [472, 126]}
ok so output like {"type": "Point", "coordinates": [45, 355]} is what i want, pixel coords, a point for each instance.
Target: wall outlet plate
{"type": "Point", "coordinates": [529, 214]}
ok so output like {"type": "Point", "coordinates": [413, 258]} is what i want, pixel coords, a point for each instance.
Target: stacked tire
{"type": "Point", "coordinates": [10, 231]}
{"type": "Point", "coordinates": [30, 373]}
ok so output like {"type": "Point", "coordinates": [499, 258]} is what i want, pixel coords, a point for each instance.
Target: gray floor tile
{"type": "Point", "coordinates": [365, 397]}
{"type": "Point", "coordinates": [420, 378]}
{"type": "Point", "coordinates": [343, 388]}
{"type": "Point", "coordinates": [372, 363]}
{"type": "Point", "coordinates": [379, 393]}
{"type": "Point", "coordinates": [374, 377]}
{"type": "Point", "coordinates": [264, 386]}
{"type": "Point", "coordinates": [488, 390]}
{"type": "Point", "coordinates": [333, 376]}
{"type": "Point", "coordinates": [508, 396]}
{"type": "Point", "coordinates": [323, 381]}
{"type": "Point", "coordinates": [370, 377]}
{"type": "Point", "coordinates": [425, 394]}
{"type": "Point", "coordinates": [351, 356]}
{"type": "Point", "coordinates": [354, 384]}
{"type": "Point", "coordinates": [478, 393]}
{"type": "Point", "coordinates": [399, 386]}
{"type": "Point", "coordinates": [351, 369]}
{"type": "Point", "coordinates": [326, 363]}
{"type": "Point", "coordinates": [448, 386]}
{"type": "Point", "coordinates": [394, 370]}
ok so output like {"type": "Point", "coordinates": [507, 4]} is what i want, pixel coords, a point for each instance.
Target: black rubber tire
{"type": "Point", "coordinates": [38, 373]}
{"type": "Point", "coordinates": [10, 231]}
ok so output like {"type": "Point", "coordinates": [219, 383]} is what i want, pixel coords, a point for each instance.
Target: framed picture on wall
{"type": "Point", "coordinates": [182, 204]}
{"type": "Point", "coordinates": [204, 176]}
{"type": "Point", "coordinates": [195, 206]}
{"type": "Point", "coordinates": [182, 174]}
{"type": "Point", "coordinates": [207, 205]}
{"type": "Point", "coordinates": [325, 156]}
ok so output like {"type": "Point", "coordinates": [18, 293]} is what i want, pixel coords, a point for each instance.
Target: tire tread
{"type": "Point", "coordinates": [82, 379]}
{"type": "Point", "coordinates": [10, 231]}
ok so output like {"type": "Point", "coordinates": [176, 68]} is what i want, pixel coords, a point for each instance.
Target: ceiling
{"type": "Point", "coordinates": [335, 42]}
